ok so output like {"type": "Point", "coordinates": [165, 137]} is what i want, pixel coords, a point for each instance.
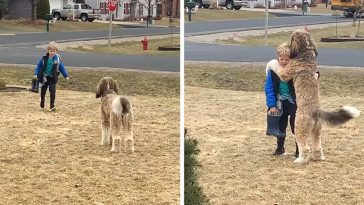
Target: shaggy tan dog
{"type": "Point", "coordinates": [116, 116]}
{"type": "Point", "coordinates": [309, 116]}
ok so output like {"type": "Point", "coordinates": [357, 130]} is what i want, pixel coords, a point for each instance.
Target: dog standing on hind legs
{"type": "Point", "coordinates": [116, 117]}
{"type": "Point", "coordinates": [309, 116]}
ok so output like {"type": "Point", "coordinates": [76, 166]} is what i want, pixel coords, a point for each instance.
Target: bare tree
{"type": "Point", "coordinates": [34, 4]}
{"type": "Point", "coordinates": [359, 9]}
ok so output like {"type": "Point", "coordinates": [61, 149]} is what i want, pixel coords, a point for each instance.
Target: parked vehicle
{"type": "Point", "coordinates": [229, 4]}
{"type": "Point", "coordinates": [81, 11]}
{"type": "Point", "coordinates": [348, 6]}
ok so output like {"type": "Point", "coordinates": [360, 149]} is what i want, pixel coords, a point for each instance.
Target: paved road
{"type": "Point", "coordinates": [208, 27]}
{"type": "Point", "coordinates": [231, 53]}
{"type": "Point", "coordinates": [36, 38]}
{"type": "Point", "coordinates": [20, 49]}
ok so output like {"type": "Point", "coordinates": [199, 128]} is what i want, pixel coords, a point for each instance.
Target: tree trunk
{"type": "Point", "coordinates": [34, 8]}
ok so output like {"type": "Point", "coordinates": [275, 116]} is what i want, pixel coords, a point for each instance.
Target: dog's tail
{"type": "Point", "coordinates": [337, 117]}
{"type": "Point", "coordinates": [122, 107]}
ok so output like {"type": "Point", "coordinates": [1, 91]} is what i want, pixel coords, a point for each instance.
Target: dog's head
{"type": "Point", "coordinates": [302, 41]}
{"type": "Point", "coordinates": [105, 86]}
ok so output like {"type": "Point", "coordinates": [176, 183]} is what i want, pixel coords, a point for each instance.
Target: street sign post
{"type": "Point", "coordinates": [112, 4]}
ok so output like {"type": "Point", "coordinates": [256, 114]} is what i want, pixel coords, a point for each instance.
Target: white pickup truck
{"type": "Point", "coordinates": [81, 11]}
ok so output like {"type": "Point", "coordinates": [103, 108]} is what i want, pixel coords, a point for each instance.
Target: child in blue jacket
{"type": "Point", "coordinates": [275, 90]}
{"type": "Point", "coordinates": [47, 72]}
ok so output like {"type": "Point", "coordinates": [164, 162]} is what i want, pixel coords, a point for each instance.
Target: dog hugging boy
{"type": "Point", "coordinates": [47, 72]}
{"type": "Point", "coordinates": [280, 97]}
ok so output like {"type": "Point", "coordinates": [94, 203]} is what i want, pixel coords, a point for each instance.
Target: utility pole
{"type": "Point", "coordinates": [266, 23]}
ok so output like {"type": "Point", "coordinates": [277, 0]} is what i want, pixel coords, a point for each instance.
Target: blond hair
{"type": "Point", "coordinates": [283, 49]}
{"type": "Point", "coordinates": [52, 46]}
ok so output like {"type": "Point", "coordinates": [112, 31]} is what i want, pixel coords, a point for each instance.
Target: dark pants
{"type": "Point", "coordinates": [51, 83]}
{"type": "Point", "coordinates": [289, 109]}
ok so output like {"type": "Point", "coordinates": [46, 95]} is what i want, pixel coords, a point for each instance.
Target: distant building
{"type": "Point", "coordinates": [126, 9]}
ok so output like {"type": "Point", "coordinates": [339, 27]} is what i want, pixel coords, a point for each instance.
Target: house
{"type": "Point", "coordinates": [20, 9]}
{"type": "Point", "coordinates": [274, 3]}
{"type": "Point", "coordinates": [126, 9]}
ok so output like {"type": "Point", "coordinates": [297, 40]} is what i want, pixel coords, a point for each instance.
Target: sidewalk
{"type": "Point", "coordinates": [133, 23]}
{"type": "Point", "coordinates": [287, 12]}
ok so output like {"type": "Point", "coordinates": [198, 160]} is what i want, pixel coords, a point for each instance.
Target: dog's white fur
{"type": "Point", "coordinates": [116, 116]}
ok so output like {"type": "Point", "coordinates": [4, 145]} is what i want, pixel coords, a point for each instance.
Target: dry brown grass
{"type": "Point", "coordinates": [56, 158]}
{"type": "Point", "coordinates": [236, 155]}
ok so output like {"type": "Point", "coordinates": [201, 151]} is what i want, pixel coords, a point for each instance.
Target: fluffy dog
{"type": "Point", "coordinates": [309, 116]}
{"type": "Point", "coordinates": [116, 116]}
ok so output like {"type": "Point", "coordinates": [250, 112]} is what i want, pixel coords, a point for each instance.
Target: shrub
{"type": "Point", "coordinates": [3, 7]}
{"type": "Point", "coordinates": [193, 191]}
{"type": "Point", "coordinates": [2, 84]}
{"type": "Point", "coordinates": [42, 9]}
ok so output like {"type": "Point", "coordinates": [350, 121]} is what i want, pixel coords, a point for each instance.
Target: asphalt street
{"type": "Point", "coordinates": [232, 53]}
{"type": "Point", "coordinates": [20, 49]}
{"type": "Point", "coordinates": [209, 27]}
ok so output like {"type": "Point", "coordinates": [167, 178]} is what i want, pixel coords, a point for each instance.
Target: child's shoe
{"type": "Point", "coordinates": [53, 109]}
{"type": "Point", "coordinates": [41, 104]}
{"type": "Point", "coordinates": [279, 152]}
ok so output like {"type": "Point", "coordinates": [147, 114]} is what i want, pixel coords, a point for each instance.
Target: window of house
{"type": "Point", "coordinates": [126, 8]}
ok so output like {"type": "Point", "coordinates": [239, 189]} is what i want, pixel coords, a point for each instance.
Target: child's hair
{"type": "Point", "coordinates": [283, 49]}
{"type": "Point", "coordinates": [52, 46]}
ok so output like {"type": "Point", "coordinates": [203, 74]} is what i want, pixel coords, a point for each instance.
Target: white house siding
{"type": "Point", "coordinates": [55, 4]}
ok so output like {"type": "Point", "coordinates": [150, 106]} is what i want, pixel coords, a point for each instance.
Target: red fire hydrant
{"type": "Point", "coordinates": [145, 43]}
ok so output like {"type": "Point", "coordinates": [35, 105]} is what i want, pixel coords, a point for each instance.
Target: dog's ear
{"type": "Point", "coordinates": [294, 46]}
{"type": "Point", "coordinates": [99, 89]}
{"type": "Point", "coordinates": [312, 44]}
{"type": "Point", "coordinates": [116, 86]}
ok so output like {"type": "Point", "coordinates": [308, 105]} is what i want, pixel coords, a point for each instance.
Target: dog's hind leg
{"type": "Point", "coordinates": [302, 135]}
{"type": "Point", "coordinates": [115, 133]}
{"type": "Point", "coordinates": [105, 135]}
{"type": "Point", "coordinates": [127, 121]}
{"type": "Point", "coordinates": [316, 142]}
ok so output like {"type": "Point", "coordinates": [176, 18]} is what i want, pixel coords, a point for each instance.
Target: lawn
{"type": "Point", "coordinates": [131, 47]}
{"type": "Point", "coordinates": [223, 14]}
{"type": "Point", "coordinates": [56, 157]}
{"type": "Point", "coordinates": [317, 33]}
{"type": "Point", "coordinates": [10, 26]}
{"type": "Point", "coordinates": [225, 111]}
{"type": "Point", "coordinates": [320, 8]}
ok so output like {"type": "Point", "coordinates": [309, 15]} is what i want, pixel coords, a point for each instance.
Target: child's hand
{"type": "Point", "coordinates": [67, 78]}
{"type": "Point", "coordinates": [35, 77]}
{"type": "Point", "coordinates": [272, 110]}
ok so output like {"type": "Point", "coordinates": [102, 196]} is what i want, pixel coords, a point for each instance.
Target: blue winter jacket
{"type": "Point", "coordinates": [271, 89]}
{"type": "Point", "coordinates": [270, 93]}
{"type": "Point", "coordinates": [41, 64]}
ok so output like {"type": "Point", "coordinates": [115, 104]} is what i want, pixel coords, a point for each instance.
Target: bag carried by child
{"type": "Point", "coordinates": [35, 86]}
{"type": "Point", "coordinates": [273, 121]}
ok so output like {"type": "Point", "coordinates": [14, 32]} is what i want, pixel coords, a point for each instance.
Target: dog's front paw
{"type": "Point", "coordinates": [116, 145]}
{"type": "Point", "coordinates": [300, 160]}
{"type": "Point", "coordinates": [318, 156]}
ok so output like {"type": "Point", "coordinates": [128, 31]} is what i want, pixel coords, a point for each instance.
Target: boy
{"type": "Point", "coordinates": [275, 90]}
{"type": "Point", "coordinates": [47, 72]}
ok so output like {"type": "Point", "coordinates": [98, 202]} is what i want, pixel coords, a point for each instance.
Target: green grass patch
{"type": "Point", "coordinates": [165, 22]}
{"type": "Point", "coordinates": [193, 191]}
{"type": "Point", "coordinates": [251, 77]}
{"type": "Point", "coordinates": [2, 84]}
{"type": "Point", "coordinates": [131, 83]}
{"type": "Point", "coordinates": [277, 38]}
{"type": "Point", "coordinates": [320, 8]}
{"type": "Point", "coordinates": [8, 26]}
{"type": "Point", "coordinates": [134, 47]}
{"type": "Point", "coordinates": [214, 14]}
